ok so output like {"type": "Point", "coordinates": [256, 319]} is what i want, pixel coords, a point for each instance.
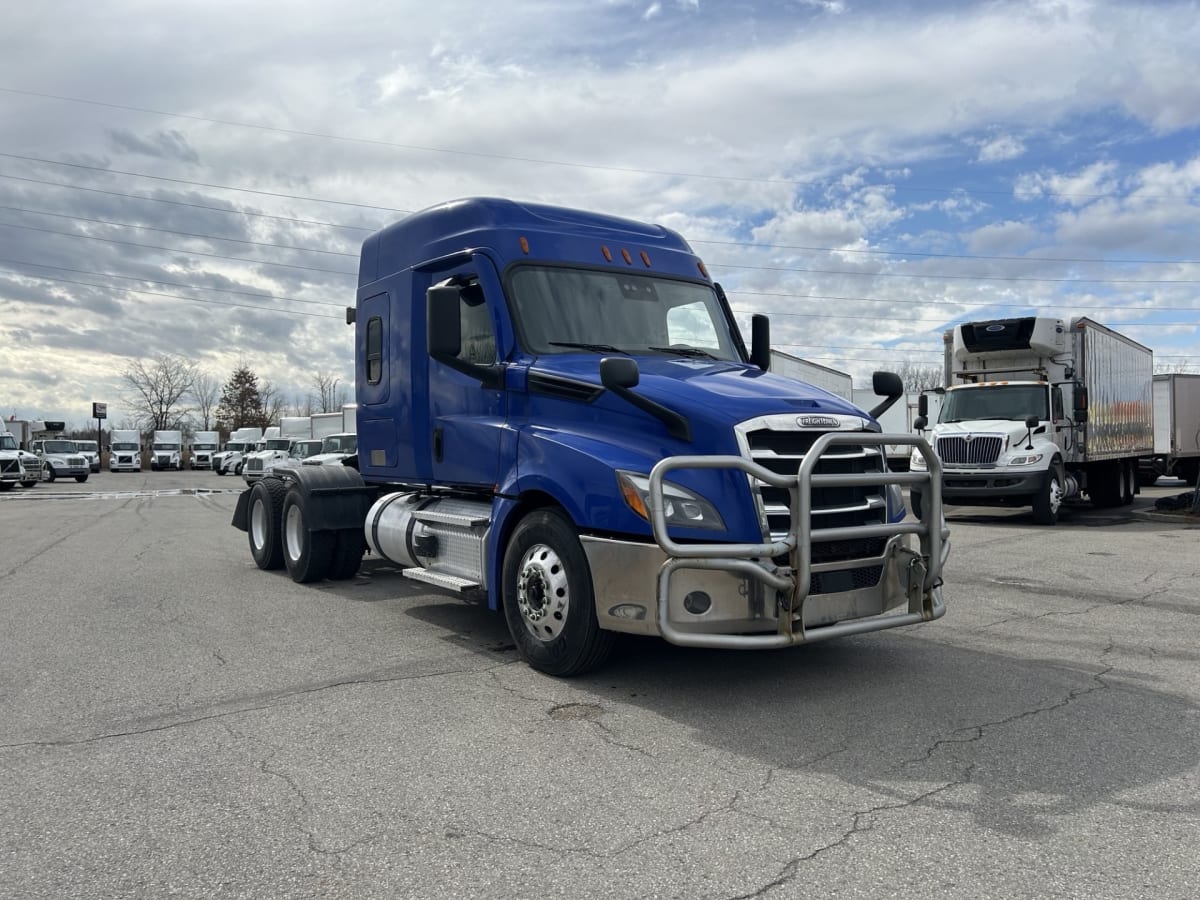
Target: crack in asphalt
{"type": "Point", "coordinates": [791, 868]}
{"type": "Point", "coordinates": [273, 702]}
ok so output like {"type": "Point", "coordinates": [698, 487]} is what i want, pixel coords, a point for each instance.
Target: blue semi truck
{"type": "Point", "coordinates": [556, 411]}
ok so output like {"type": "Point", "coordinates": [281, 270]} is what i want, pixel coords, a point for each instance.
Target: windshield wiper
{"type": "Point", "coordinates": [693, 352]}
{"type": "Point", "coordinates": [595, 348]}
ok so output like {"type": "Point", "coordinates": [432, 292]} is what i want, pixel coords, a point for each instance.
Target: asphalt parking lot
{"type": "Point", "coordinates": [175, 722]}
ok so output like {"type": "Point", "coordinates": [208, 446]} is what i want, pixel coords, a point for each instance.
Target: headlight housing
{"type": "Point", "coordinates": [916, 460]}
{"type": "Point", "coordinates": [682, 507]}
{"type": "Point", "coordinates": [1025, 460]}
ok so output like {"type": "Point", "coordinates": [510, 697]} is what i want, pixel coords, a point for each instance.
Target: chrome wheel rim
{"type": "Point", "coordinates": [293, 533]}
{"type": "Point", "coordinates": [258, 523]}
{"type": "Point", "coordinates": [543, 596]}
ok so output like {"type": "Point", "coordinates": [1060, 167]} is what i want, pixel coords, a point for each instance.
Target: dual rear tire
{"type": "Point", "coordinates": [280, 536]}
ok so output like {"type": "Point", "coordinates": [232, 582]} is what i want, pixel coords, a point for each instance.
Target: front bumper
{"type": "Point", "coordinates": [978, 485]}
{"type": "Point", "coordinates": [749, 596]}
{"type": "Point", "coordinates": [126, 462]}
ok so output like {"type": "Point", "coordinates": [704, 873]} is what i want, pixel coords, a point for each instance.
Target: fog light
{"type": "Point", "coordinates": [697, 603]}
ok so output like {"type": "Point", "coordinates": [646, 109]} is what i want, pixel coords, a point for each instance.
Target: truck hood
{"type": "Point", "coordinates": [715, 393]}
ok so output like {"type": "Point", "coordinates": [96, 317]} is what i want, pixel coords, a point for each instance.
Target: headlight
{"type": "Point", "coordinates": [916, 460]}
{"type": "Point", "coordinates": [1025, 460]}
{"type": "Point", "coordinates": [681, 506]}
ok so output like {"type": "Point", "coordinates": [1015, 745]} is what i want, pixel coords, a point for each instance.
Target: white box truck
{"type": "Point", "coordinates": [91, 452]}
{"type": "Point", "coordinates": [125, 451]}
{"type": "Point", "coordinates": [1176, 429]}
{"type": "Point", "coordinates": [839, 383]}
{"type": "Point", "coordinates": [341, 447]}
{"type": "Point", "coordinates": [204, 446]}
{"type": "Point", "coordinates": [166, 450]}
{"type": "Point", "coordinates": [12, 469]}
{"type": "Point", "coordinates": [1039, 410]}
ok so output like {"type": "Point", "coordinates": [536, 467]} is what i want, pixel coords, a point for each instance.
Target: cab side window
{"type": "Point", "coordinates": [1056, 400]}
{"type": "Point", "coordinates": [374, 349]}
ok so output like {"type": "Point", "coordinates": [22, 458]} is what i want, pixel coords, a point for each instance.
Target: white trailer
{"type": "Point", "coordinates": [1176, 429]}
{"type": "Point", "coordinates": [125, 450]}
{"type": "Point", "coordinates": [12, 467]}
{"type": "Point", "coordinates": [839, 383]}
{"type": "Point", "coordinates": [325, 424]}
{"type": "Point", "coordinates": [166, 450]}
{"type": "Point", "coordinates": [899, 418]}
{"type": "Point", "coordinates": [1039, 410]}
{"type": "Point", "coordinates": [204, 445]}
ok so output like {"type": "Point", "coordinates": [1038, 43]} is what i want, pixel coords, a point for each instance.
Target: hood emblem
{"type": "Point", "coordinates": [818, 422]}
{"type": "Point", "coordinates": [968, 437]}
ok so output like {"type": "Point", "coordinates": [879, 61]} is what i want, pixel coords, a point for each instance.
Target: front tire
{"type": "Point", "coordinates": [1048, 501]}
{"type": "Point", "coordinates": [51, 474]}
{"type": "Point", "coordinates": [548, 598]}
{"type": "Point", "coordinates": [82, 478]}
{"type": "Point", "coordinates": [307, 554]}
{"type": "Point", "coordinates": [264, 523]}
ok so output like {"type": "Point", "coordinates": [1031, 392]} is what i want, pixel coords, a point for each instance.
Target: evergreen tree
{"type": "Point", "coordinates": [241, 403]}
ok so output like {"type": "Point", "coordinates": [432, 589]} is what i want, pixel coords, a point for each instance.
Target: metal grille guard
{"type": "Point", "coordinates": [924, 570]}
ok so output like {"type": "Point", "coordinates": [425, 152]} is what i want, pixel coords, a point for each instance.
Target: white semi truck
{"type": "Point", "coordinates": [242, 441]}
{"type": "Point", "coordinates": [341, 447]}
{"type": "Point", "coordinates": [166, 450]}
{"type": "Point", "coordinates": [204, 445]}
{"type": "Point", "coordinates": [91, 452]}
{"type": "Point", "coordinates": [125, 451]}
{"type": "Point", "coordinates": [1039, 410]}
{"type": "Point", "coordinates": [278, 448]}
{"type": "Point", "coordinates": [61, 459]}
{"type": "Point", "coordinates": [1176, 429]}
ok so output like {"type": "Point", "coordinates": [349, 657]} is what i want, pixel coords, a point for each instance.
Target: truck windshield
{"type": "Point", "coordinates": [7, 442]}
{"type": "Point", "coordinates": [158, 445]}
{"type": "Point", "coordinates": [560, 310]}
{"type": "Point", "coordinates": [124, 445]}
{"type": "Point", "coordinates": [279, 443]}
{"type": "Point", "coordinates": [305, 449]}
{"type": "Point", "coordinates": [340, 443]}
{"type": "Point", "coordinates": [204, 446]}
{"type": "Point", "coordinates": [235, 446]}
{"type": "Point", "coordinates": [59, 447]}
{"type": "Point", "coordinates": [996, 401]}
{"type": "Point", "coordinates": [89, 446]}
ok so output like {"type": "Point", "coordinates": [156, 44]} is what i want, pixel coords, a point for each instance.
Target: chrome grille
{"type": "Point", "coordinates": [254, 465]}
{"type": "Point", "coordinates": [782, 450]}
{"type": "Point", "coordinates": [979, 450]}
{"type": "Point", "coordinates": [9, 465]}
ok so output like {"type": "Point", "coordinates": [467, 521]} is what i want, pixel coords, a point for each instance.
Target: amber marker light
{"type": "Point", "coordinates": [700, 266]}
{"type": "Point", "coordinates": [634, 499]}
{"type": "Point", "coordinates": [646, 258]}
{"type": "Point", "coordinates": [607, 253]}
{"type": "Point", "coordinates": [525, 245]}
{"type": "Point", "coordinates": [625, 256]}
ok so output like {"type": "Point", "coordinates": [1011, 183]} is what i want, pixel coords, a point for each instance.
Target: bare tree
{"type": "Point", "coordinates": [206, 391]}
{"type": "Point", "coordinates": [274, 403]}
{"type": "Point", "coordinates": [1172, 368]}
{"type": "Point", "coordinates": [155, 390]}
{"type": "Point", "coordinates": [328, 396]}
{"type": "Point", "coordinates": [918, 376]}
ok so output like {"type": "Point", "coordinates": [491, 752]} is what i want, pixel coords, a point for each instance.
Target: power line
{"type": "Point", "coordinates": [223, 187]}
{"type": "Point", "coordinates": [750, 244]}
{"type": "Point", "coordinates": [377, 142]}
{"type": "Point", "coordinates": [105, 287]}
{"type": "Point", "coordinates": [713, 265]}
{"type": "Point", "coordinates": [206, 237]}
{"type": "Point", "coordinates": [233, 212]}
{"type": "Point", "coordinates": [190, 287]}
{"type": "Point", "coordinates": [260, 262]}
{"type": "Point", "coordinates": [933, 301]}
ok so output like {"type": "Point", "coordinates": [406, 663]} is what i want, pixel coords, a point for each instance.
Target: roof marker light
{"type": "Point", "coordinates": [625, 256]}
{"type": "Point", "coordinates": [646, 258]}
{"type": "Point", "coordinates": [607, 253]}
{"type": "Point", "coordinates": [700, 266]}
{"type": "Point", "coordinates": [525, 245]}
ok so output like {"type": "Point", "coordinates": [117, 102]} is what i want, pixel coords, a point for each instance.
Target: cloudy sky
{"type": "Point", "coordinates": [195, 178]}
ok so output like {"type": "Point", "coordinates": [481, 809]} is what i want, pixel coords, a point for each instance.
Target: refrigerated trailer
{"type": "Point", "coordinates": [1176, 429]}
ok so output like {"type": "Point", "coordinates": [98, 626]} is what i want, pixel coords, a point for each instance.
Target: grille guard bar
{"type": "Point", "coordinates": [747, 559]}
